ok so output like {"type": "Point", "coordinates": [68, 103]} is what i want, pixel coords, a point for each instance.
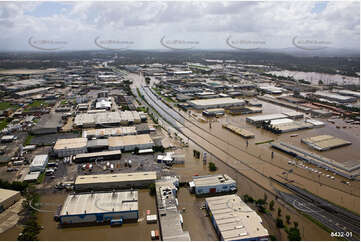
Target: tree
{"type": "Point", "coordinates": [248, 199]}
{"type": "Point", "coordinates": [320, 82]}
{"type": "Point", "coordinates": [288, 218]}
{"type": "Point", "coordinates": [265, 198]}
{"type": "Point", "coordinates": [279, 223]}
{"type": "Point", "coordinates": [212, 166]}
{"type": "Point", "coordinates": [272, 237]}
{"type": "Point", "coordinates": [295, 224]}
{"type": "Point", "coordinates": [271, 205]}
{"type": "Point", "coordinates": [152, 189]}
{"type": "Point", "coordinates": [294, 234]}
{"type": "Point", "coordinates": [279, 212]}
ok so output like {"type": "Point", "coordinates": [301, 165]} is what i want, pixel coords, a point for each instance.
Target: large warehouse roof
{"type": "Point", "coordinates": [212, 180]}
{"type": "Point", "coordinates": [97, 154]}
{"type": "Point", "coordinates": [73, 143]}
{"type": "Point", "coordinates": [119, 177]}
{"type": "Point", "coordinates": [119, 131]}
{"type": "Point", "coordinates": [100, 203]}
{"type": "Point", "coordinates": [120, 141]}
{"type": "Point", "coordinates": [6, 194]}
{"type": "Point", "coordinates": [234, 219]}
{"type": "Point", "coordinates": [216, 101]}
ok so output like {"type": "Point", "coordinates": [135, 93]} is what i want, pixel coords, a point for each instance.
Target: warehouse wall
{"type": "Point", "coordinates": [99, 217]}
{"type": "Point", "coordinates": [10, 201]}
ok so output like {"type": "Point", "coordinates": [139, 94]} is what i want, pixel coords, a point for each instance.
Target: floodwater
{"type": "Point", "coordinates": [332, 190]}
{"type": "Point", "coordinates": [192, 166]}
{"type": "Point", "coordinates": [128, 231]}
{"type": "Point", "coordinates": [314, 77]}
{"type": "Point", "coordinates": [11, 234]}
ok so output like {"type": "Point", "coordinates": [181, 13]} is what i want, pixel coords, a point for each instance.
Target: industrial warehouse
{"type": "Point", "coordinates": [97, 156]}
{"type": "Point", "coordinates": [234, 220]}
{"type": "Point", "coordinates": [128, 143]}
{"type": "Point", "coordinates": [74, 146]}
{"type": "Point", "coordinates": [212, 184]}
{"type": "Point", "coordinates": [8, 198]}
{"type": "Point", "coordinates": [84, 120]}
{"type": "Point", "coordinates": [349, 170]}
{"type": "Point", "coordinates": [215, 103]}
{"type": "Point", "coordinates": [101, 133]}
{"type": "Point", "coordinates": [170, 219]}
{"type": "Point", "coordinates": [68, 147]}
{"type": "Point", "coordinates": [324, 142]}
{"type": "Point", "coordinates": [115, 181]}
{"type": "Point", "coordinates": [103, 207]}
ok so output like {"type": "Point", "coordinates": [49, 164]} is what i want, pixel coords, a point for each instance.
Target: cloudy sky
{"type": "Point", "coordinates": [179, 25]}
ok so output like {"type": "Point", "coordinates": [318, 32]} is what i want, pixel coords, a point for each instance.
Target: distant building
{"type": "Point", "coordinates": [234, 220]}
{"type": "Point", "coordinates": [335, 97]}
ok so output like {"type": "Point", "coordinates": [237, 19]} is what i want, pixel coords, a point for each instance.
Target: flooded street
{"type": "Point", "coordinates": [314, 77]}
{"type": "Point", "coordinates": [128, 231]}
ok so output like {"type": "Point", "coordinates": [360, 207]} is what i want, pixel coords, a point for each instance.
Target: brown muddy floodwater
{"type": "Point", "coordinates": [333, 190]}
{"type": "Point", "coordinates": [309, 231]}
{"type": "Point", "coordinates": [314, 77]}
{"type": "Point", "coordinates": [129, 231]}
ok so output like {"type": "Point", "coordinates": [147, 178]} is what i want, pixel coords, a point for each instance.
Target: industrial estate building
{"type": "Point", "coordinates": [127, 143]}
{"type": "Point", "coordinates": [103, 155]}
{"type": "Point", "coordinates": [68, 147]}
{"type": "Point", "coordinates": [335, 97]}
{"type": "Point", "coordinates": [101, 133]}
{"type": "Point", "coordinates": [74, 146]}
{"type": "Point", "coordinates": [349, 170]}
{"type": "Point", "coordinates": [115, 181]}
{"type": "Point", "coordinates": [48, 124]}
{"type": "Point", "coordinates": [212, 184]}
{"type": "Point", "coordinates": [215, 103]}
{"type": "Point", "coordinates": [324, 142]}
{"type": "Point", "coordinates": [170, 219]}
{"type": "Point", "coordinates": [8, 198]}
{"type": "Point", "coordinates": [39, 163]}
{"type": "Point", "coordinates": [99, 207]}
{"type": "Point", "coordinates": [234, 220]}
{"type": "Point", "coordinates": [104, 119]}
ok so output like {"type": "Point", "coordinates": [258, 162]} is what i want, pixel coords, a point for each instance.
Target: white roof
{"type": "Point", "coordinates": [5, 194]}
{"type": "Point", "coordinates": [72, 143]}
{"type": "Point", "coordinates": [32, 176]}
{"type": "Point", "coordinates": [216, 101]}
{"type": "Point", "coordinates": [100, 203]}
{"type": "Point", "coordinates": [234, 219]}
{"type": "Point", "coordinates": [39, 160]}
{"type": "Point", "coordinates": [212, 180]}
{"type": "Point", "coordinates": [267, 117]}
{"type": "Point", "coordinates": [118, 177]}
{"type": "Point", "coordinates": [281, 121]}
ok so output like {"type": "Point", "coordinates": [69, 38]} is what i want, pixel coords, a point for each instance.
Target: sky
{"type": "Point", "coordinates": [176, 25]}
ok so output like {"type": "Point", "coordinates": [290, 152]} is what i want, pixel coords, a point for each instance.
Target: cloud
{"type": "Point", "coordinates": [208, 22]}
